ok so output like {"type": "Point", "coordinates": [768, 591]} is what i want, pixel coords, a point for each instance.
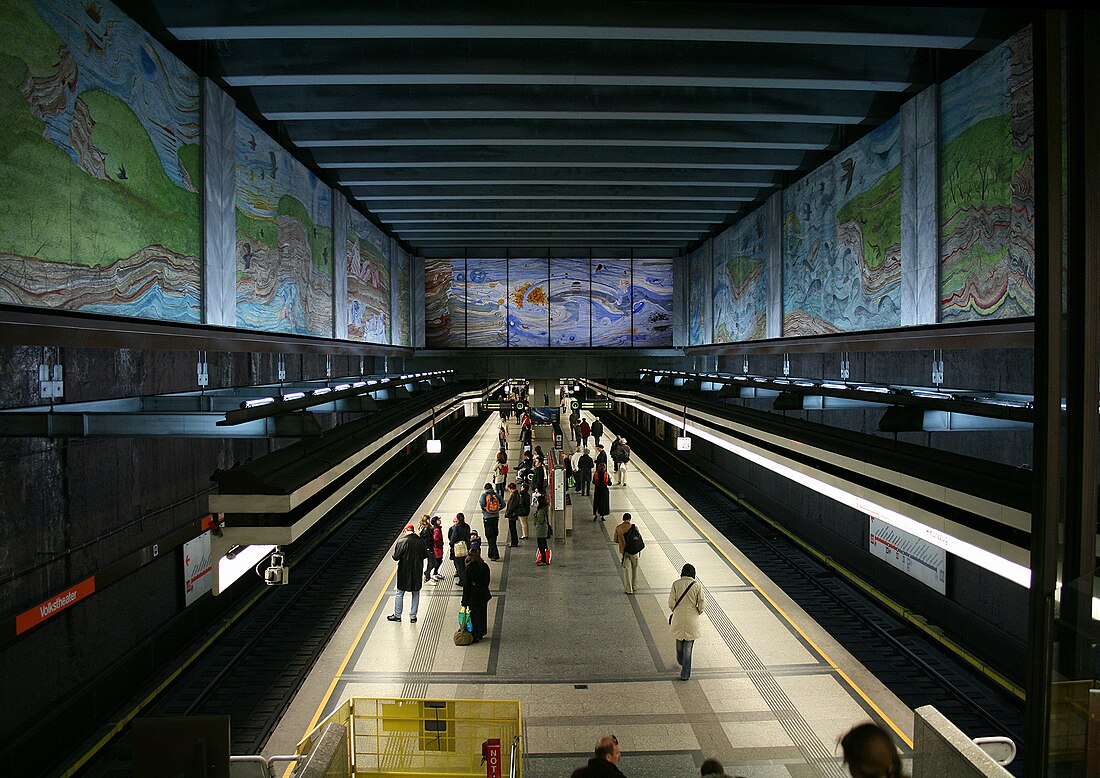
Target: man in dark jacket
{"type": "Point", "coordinates": [605, 762]}
{"type": "Point", "coordinates": [409, 553]}
{"type": "Point", "coordinates": [597, 432]}
{"type": "Point", "coordinates": [585, 466]}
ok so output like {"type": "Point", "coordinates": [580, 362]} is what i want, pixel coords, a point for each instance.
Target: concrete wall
{"type": "Point", "coordinates": [942, 749]}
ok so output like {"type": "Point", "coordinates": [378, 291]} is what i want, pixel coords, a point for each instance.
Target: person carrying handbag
{"type": "Point", "coordinates": [686, 601]}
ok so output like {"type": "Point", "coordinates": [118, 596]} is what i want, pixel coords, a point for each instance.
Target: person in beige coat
{"type": "Point", "coordinates": [686, 601]}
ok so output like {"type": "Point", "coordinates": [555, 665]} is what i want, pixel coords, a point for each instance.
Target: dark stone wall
{"type": "Point", "coordinates": [70, 508]}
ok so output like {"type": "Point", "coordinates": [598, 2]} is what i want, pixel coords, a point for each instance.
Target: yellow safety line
{"type": "Point", "coordinates": [370, 615]}
{"type": "Point", "coordinates": [783, 613]}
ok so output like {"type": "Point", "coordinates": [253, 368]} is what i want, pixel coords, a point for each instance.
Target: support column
{"type": "Point", "coordinates": [920, 208]}
{"type": "Point", "coordinates": [219, 221]}
{"type": "Point", "coordinates": [339, 266]}
{"type": "Point", "coordinates": [773, 267]}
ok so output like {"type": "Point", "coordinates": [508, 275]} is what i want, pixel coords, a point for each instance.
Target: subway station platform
{"type": "Point", "coordinates": [770, 692]}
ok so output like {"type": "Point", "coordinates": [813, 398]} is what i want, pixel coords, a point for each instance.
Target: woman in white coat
{"type": "Point", "coordinates": [686, 601]}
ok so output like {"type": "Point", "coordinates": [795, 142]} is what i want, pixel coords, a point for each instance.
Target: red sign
{"type": "Point", "coordinates": [490, 755]}
{"type": "Point", "coordinates": [54, 605]}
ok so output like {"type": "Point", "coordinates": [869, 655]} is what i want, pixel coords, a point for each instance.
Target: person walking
{"type": "Point", "coordinates": [686, 601]}
{"type": "Point", "coordinates": [597, 431]}
{"type": "Point", "coordinates": [490, 504]}
{"type": "Point", "coordinates": [630, 548]}
{"type": "Point", "coordinates": [476, 594]}
{"type": "Point", "coordinates": [601, 493]}
{"type": "Point", "coordinates": [511, 512]}
{"type": "Point", "coordinates": [624, 463]}
{"type": "Point", "coordinates": [500, 475]}
{"type": "Point", "coordinates": [458, 537]}
{"type": "Point", "coordinates": [541, 519]}
{"type": "Point", "coordinates": [586, 430]}
{"type": "Point", "coordinates": [437, 550]}
{"type": "Point", "coordinates": [585, 466]}
{"type": "Point", "coordinates": [409, 553]}
{"type": "Point", "coordinates": [604, 763]}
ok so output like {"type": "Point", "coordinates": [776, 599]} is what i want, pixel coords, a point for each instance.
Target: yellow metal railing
{"type": "Point", "coordinates": [403, 737]}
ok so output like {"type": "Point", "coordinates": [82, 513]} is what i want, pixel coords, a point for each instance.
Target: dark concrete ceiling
{"type": "Point", "coordinates": [526, 127]}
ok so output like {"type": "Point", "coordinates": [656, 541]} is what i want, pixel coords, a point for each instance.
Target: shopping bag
{"type": "Point", "coordinates": [464, 620]}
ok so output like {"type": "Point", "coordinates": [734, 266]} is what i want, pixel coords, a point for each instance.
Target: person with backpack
{"type": "Point", "coordinates": [490, 516]}
{"type": "Point", "coordinates": [624, 463]}
{"type": "Point", "coordinates": [615, 452]}
{"type": "Point", "coordinates": [630, 547]}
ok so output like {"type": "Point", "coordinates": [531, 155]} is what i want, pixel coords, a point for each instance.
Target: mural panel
{"type": "Point", "coordinates": [486, 302]}
{"type": "Point", "coordinates": [987, 179]}
{"type": "Point", "coordinates": [611, 299]}
{"type": "Point", "coordinates": [740, 283]}
{"type": "Point", "coordinates": [404, 298]}
{"type": "Point", "coordinates": [444, 303]}
{"type": "Point", "coordinates": [697, 305]}
{"type": "Point", "coordinates": [651, 303]}
{"type": "Point", "coordinates": [99, 165]}
{"type": "Point", "coordinates": [284, 239]}
{"type": "Point", "coordinates": [528, 302]}
{"type": "Point", "coordinates": [369, 285]}
{"type": "Point", "coordinates": [570, 302]}
{"type": "Point", "coordinates": [842, 240]}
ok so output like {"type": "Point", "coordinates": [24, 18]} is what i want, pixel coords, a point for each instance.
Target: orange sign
{"type": "Point", "coordinates": [54, 605]}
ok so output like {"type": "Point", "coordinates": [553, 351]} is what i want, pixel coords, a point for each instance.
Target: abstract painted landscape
{"type": "Point", "coordinates": [368, 265]}
{"type": "Point", "coordinates": [740, 284]}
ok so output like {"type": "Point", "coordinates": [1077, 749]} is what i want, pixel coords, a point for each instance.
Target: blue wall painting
{"type": "Point", "coordinates": [284, 239]}
{"type": "Point", "coordinates": [740, 283]}
{"type": "Point", "coordinates": [842, 240]}
{"type": "Point", "coordinates": [611, 302]}
{"type": "Point", "coordinates": [486, 302]}
{"type": "Point", "coordinates": [651, 303]}
{"type": "Point", "coordinates": [528, 302]}
{"type": "Point", "coordinates": [570, 302]}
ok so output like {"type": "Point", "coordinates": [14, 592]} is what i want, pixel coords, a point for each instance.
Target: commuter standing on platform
{"type": "Point", "coordinates": [597, 431]}
{"type": "Point", "coordinates": [586, 430]}
{"type": "Point", "coordinates": [601, 493]}
{"type": "Point", "coordinates": [614, 451]}
{"type": "Point", "coordinates": [511, 512]}
{"type": "Point", "coordinates": [490, 517]}
{"type": "Point", "coordinates": [524, 510]}
{"type": "Point", "coordinates": [541, 518]}
{"type": "Point", "coordinates": [502, 437]}
{"type": "Point", "coordinates": [476, 594]}
{"type": "Point", "coordinates": [538, 482]}
{"type": "Point", "coordinates": [409, 553]}
{"type": "Point", "coordinates": [459, 535]}
{"type": "Point", "coordinates": [425, 533]}
{"type": "Point", "coordinates": [604, 763]}
{"type": "Point", "coordinates": [437, 549]}
{"type": "Point", "coordinates": [630, 547]}
{"type": "Point", "coordinates": [601, 457]}
{"type": "Point", "coordinates": [686, 601]}
{"type": "Point", "coordinates": [585, 466]}
{"type": "Point", "coordinates": [500, 475]}
{"type": "Point", "coordinates": [624, 463]}
{"type": "Point", "coordinates": [575, 426]}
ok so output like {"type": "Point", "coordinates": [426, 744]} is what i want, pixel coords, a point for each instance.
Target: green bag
{"type": "Point", "coordinates": [464, 620]}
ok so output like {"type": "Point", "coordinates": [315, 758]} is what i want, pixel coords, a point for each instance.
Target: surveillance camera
{"type": "Point", "coordinates": [277, 573]}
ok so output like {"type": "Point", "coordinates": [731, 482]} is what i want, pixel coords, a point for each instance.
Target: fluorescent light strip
{"type": "Point", "coordinates": [229, 570]}
{"type": "Point", "coordinates": [1014, 572]}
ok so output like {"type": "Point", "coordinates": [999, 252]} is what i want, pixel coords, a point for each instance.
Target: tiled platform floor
{"type": "Point", "coordinates": [766, 695]}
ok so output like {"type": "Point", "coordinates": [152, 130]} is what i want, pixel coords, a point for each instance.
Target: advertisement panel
{"type": "Point", "coordinates": [197, 577]}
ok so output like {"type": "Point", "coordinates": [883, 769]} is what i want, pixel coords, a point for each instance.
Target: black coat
{"type": "Point", "coordinates": [410, 553]}
{"type": "Point", "coordinates": [597, 766]}
{"type": "Point", "coordinates": [601, 494]}
{"type": "Point", "coordinates": [476, 588]}
{"type": "Point", "coordinates": [456, 533]}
